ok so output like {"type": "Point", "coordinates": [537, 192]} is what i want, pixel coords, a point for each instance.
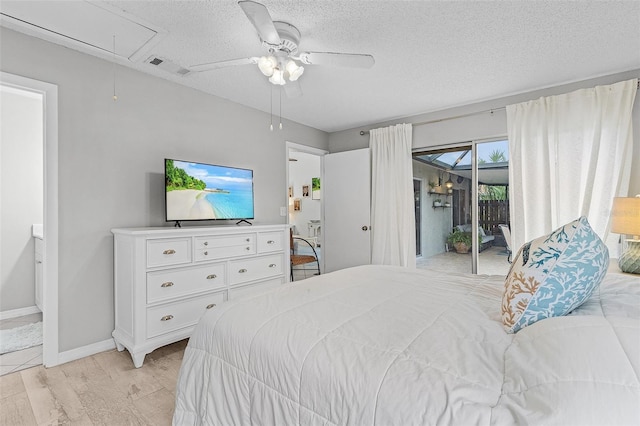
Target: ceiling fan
{"type": "Point", "coordinates": [284, 64]}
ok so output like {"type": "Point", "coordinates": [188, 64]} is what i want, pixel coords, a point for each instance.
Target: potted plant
{"type": "Point", "coordinates": [461, 240]}
{"type": "Point", "coordinates": [437, 203]}
{"type": "Point", "coordinates": [447, 204]}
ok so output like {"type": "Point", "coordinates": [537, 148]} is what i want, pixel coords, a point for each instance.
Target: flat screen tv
{"type": "Point", "coordinates": [198, 191]}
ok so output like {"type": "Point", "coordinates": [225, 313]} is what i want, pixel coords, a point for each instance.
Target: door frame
{"type": "Point", "coordinates": [49, 92]}
{"type": "Point", "coordinates": [296, 147]}
{"type": "Point", "coordinates": [418, 206]}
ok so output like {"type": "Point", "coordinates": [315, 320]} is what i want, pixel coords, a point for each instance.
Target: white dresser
{"type": "Point", "coordinates": [166, 278]}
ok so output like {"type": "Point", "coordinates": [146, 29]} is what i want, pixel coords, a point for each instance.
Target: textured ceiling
{"type": "Point", "coordinates": [430, 55]}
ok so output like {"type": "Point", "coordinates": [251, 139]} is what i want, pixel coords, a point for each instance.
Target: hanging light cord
{"type": "Point", "coordinates": [115, 97]}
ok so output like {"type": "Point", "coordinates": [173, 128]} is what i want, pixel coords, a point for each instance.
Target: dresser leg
{"type": "Point", "coordinates": [138, 359]}
{"type": "Point", "coordinates": [119, 347]}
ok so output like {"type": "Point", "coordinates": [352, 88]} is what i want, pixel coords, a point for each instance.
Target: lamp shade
{"type": "Point", "coordinates": [277, 77]}
{"type": "Point", "coordinates": [267, 64]}
{"type": "Point", "coordinates": [294, 70]}
{"type": "Point", "coordinates": [625, 216]}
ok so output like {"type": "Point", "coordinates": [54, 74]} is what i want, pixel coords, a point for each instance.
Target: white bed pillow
{"type": "Point", "coordinates": [554, 274]}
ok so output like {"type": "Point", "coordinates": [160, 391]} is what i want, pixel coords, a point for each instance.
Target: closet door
{"type": "Point", "coordinates": [346, 193]}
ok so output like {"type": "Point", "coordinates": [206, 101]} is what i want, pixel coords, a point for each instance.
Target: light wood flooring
{"type": "Point", "coordinates": [102, 389]}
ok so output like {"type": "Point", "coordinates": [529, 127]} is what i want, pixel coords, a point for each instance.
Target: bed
{"type": "Point", "coordinates": [381, 345]}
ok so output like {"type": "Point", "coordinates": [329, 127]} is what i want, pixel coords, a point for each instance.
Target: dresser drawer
{"type": "Point", "coordinates": [251, 289]}
{"type": "Point", "coordinates": [169, 284]}
{"type": "Point", "coordinates": [168, 251]}
{"type": "Point", "coordinates": [270, 241]}
{"type": "Point", "coordinates": [208, 248]}
{"type": "Point", "coordinates": [212, 241]}
{"type": "Point", "coordinates": [173, 316]}
{"type": "Point", "coordinates": [254, 269]}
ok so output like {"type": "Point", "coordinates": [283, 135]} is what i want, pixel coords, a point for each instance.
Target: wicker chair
{"type": "Point", "coordinates": [301, 259]}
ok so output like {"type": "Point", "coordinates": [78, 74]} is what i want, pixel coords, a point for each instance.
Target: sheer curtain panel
{"type": "Point", "coordinates": [392, 210]}
{"type": "Point", "coordinates": [570, 156]}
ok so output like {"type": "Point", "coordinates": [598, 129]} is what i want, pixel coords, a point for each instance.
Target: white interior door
{"type": "Point", "coordinates": [346, 192]}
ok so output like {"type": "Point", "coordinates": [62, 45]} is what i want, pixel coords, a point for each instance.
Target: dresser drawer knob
{"type": "Point", "coordinates": [211, 305]}
{"type": "Point", "coordinates": [167, 284]}
{"type": "Point", "coordinates": [170, 251]}
{"type": "Point", "coordinates": [248, 239]}
{"type": "Point", "coordinates": [273, 265]}
{"type": "Point", "coordinates": [206, 243]}
{"type": "Point", "coordinates": [271, 242]}
{"type": "Point", "coordinates": [212, 276]}
{"type": "Point", "coordinates": [248, 248]}
{"type": "Point", "coordinates": [206, 253]}
{"type": "Point", "coordinates": [242, 271]}
{"type": "Point", "coordinates": [166, 318]}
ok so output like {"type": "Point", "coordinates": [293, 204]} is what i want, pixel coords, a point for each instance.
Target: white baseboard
{"type": "Point", "coordinates": [85, 351]}
{"type": "Point", "coordinates": [15, 313]}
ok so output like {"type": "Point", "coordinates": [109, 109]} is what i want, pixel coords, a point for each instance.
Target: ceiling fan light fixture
{"type": "Point", "coordinates": [267, 65]}
{"type": "Point", "coordinates": [294, 70]}
{"type": "Point", "coordinates": [278, 77]}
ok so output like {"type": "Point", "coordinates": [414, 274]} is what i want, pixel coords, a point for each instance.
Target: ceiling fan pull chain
{"type": "Point", "coordinates": [271, 106]}
{"type": "Point", "coordinates": [280, 107]}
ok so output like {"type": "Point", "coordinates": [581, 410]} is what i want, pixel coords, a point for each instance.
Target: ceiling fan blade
{"type": "Point", "coordinates": [222, 64]}
{"type": "Point", "coordinates": [260, 18]}
{"type": "Point", "coordinates": [293, 89]}
{"type": "Point", "coordinates": [350, 60]}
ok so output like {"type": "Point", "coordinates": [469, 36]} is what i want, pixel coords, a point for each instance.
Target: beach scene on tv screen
{"type": "Point", "coordinates": [202, 191]}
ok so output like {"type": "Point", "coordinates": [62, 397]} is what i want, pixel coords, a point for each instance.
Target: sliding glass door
{"type": "Point", "coordinates": [464, 203]}
{"type": "Point", "coordinates": [493, 205]}
{"type": "Point", "coordinates": [445, 209]}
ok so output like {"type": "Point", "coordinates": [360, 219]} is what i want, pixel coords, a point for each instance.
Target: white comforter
{"type": "Point", "coordinates": [380, 345]}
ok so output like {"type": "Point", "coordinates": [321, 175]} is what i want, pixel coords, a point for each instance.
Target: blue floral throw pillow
{"type": "Point", "coordinates": [552, 275]}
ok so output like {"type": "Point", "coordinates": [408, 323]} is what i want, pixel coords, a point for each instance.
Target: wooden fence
{"type": "Point", "coordinates": [492, 213]}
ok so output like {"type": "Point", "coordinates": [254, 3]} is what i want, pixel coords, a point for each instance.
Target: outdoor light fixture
{"type": "Point", "coordinates": [276, 69]}
{"type": "Point", "coordinates": [449, 185]}
{"type": "Point", "coordinates": [626, 221]}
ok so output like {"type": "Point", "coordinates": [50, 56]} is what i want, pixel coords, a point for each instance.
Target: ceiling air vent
{"type": "Point", "coordinates": [167, 65]}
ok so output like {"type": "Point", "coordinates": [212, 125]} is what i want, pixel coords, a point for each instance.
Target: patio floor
{"type": "Point", "coordinates": [492, 261]}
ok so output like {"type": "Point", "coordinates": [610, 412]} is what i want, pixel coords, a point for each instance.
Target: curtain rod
{"type": "Point", "coordinates": [421, 123]}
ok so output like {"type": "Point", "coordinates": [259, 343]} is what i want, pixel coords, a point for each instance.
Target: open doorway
{"type": "Point", "coordinates": [305, 209]}
{"type": "Point", "coordinates": [21, 225]}
{"type": "Point", "coordinates": [37, 232]}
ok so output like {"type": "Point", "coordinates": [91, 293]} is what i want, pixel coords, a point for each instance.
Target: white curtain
{"type": "Point", "coordinates": [393, 234]}
{"type": "Point", "coordinates": [570, 155]}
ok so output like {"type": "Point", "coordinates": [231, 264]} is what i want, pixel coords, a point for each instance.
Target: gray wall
{"type": "Point", "coordinates": [486, 125]}
{"type": "Point", "coordinates": [21, 191]}
{"type": "Point", "coordinates": [111, 163]}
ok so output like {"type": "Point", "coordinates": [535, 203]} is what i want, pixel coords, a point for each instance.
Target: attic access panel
{"type": "Point", "coordinates": [83, 25]}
